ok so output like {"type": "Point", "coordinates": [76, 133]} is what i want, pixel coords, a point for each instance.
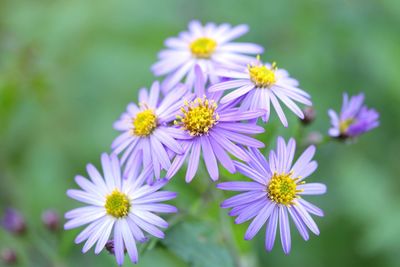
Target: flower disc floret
{"type": "Point", "coordinates": [199, 116]}
{"type": "Point", "coordinates": [144, 123]}
{"type": "Point", "coordinates": [262, 76]}
{"type": "Point", "coordinates": [282, 189]}
{"type": "Point", "coordinates": [203, 47]}
{"type": "Point", "coordinates": [117, 204]}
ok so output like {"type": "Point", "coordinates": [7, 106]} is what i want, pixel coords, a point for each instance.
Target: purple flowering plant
{"type": "Point", "coordinates": [206, 118]}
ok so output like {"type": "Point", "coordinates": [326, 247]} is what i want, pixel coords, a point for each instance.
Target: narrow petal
{"type": "Point", "coordinates": [312, 189]}
{"type": "Point", "coordinates": [242, 199]}
{"type": "Point", "coordinates": [303, 160]}
{"type": "Point", "coordinates": [209, 158]}
{"type": "Point", "coordinates": [193, 161]}
{"type": "Point", "coordinates": [118, 243]}
{"type": "Point", "coordinates": [306, 218]}
{"type": "Point", "coordinates": [228, 85]}
{"type": "Point", "coordinates": [129, 241]}
{"type": "Point", "coordinates": [270, 230]}
{"type": "Point", "coordinates": [284, 229]}
{"type": "Point", "coordinates": [259, 220]}
{"type": "Point", "coordinates": [240, 186]}
{"type": "Point", "coordinates": [149, 228]}
{"type": "Point", "coordinates": [301, 227]}
{"type": "Point", "coordinates": [311, 208]}
{"type": "Point", "coordinates": [106, 164]}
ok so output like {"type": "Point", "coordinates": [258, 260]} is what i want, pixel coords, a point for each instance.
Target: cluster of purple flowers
{"type": "Point", "coordinates": [186, 118]}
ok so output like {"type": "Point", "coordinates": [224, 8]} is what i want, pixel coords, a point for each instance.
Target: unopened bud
{"type": "Point", "coordinates": [13, 221]}
{"type": "Point", "coordinates": [110, 246]}
{"type": "Point", "coordinates": [309, 115]}
{"type": "Point", "coordinates": [51, 220]}
{"type": "Point", "coordinates": [314, 138]}
{"type": "Point", "coordinates": [8, 256]}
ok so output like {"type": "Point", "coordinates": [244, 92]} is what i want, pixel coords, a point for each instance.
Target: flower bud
{"type": "Point", "coordinates": [51, 220]}
{"type": "Point", "coordinates": [13, 221]}
{"type": "Point", "coordinates": [309, 115]}
{"type": "Point", "coordinates": [314, 138]}
{"type": "Point", "coordinates": [110, 246]}
{"type": "Point", "coordinates": [8, 256]}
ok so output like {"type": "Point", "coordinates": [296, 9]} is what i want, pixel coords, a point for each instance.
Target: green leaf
{"type": "Point", "coordinates": [198, 244]}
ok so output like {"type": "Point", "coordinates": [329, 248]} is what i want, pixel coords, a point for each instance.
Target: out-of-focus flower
{"type": "Point", "coordinates": [354, 118]}
{"type": "Point", "coordinates": [276, 190]}
{"type": "Point", "coordinates": [8, 256]}
{"type": "Point", "coordinates": [258, 85]}
{"type": "Point", "coordinates": [146, 137]}
{"type": "Point", "coordinates": [309, 115]}
{"type": "Point", "coordinates": [314, 138]}
{"type": "Point", "coordinates": [215, 130]}
{"type": "Point", "coordinates": [51, 220]}
{"type": "Point", "coordinates": [209, 46]}
{"type": "Point", "coordinates": [119, 207]}
{"type": "Point", "coordinates": [13, 221]}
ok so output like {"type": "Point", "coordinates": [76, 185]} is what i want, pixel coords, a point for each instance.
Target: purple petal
{"type": "Point", "coordinates": [193, 161]}
{"type": "Point", "coordinates": [299, 224]}
{"type": "Point", "coordinates": [240, 186]}
{"type": "Point", "coordinates": [306, 218]}
{"type": "Point", "coordinates": [209, 158]}
{"type": "Point", "coordinates": [312, 189]}
{"type": "Point", "coordinates": [259, 220]}
{"type": "Point", "coordinates": [284, 229]}
{"type": "Point", "coordinates": [270, 230]}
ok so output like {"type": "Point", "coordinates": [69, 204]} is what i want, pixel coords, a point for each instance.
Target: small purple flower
{"type": "Point", "coordinates": [209, 46]}
{"type": "Point", "coordinates": [274, 193]}
{"type": "Point", "coordinates": [51, 220]}
{"type": "Point", "coordinates": [146, 136]}
{"type": "Point", "coordinates": [258, 85]}
{"type": "Point", "coordinates": [123, 208]}
{"type": "Point", "coordinates": [213, 130]}
{"type": "Point", "coordinates": [354, 119]}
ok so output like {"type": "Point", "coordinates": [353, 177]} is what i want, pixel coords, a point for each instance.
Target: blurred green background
{"type": "Point", "coordinates": [68, 69]}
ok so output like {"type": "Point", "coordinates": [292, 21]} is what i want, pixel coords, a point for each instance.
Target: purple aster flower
{"type": "Point", "coordinates": [209, 46]}
{"type": "Point", "coordinates": [146, 136]}
{"type": "Point", "coordinates": [258, 85]}
{"type": "Point", "coordinates": [354, 119]}
{"type": "Point", "coordinates": [213, 130]}
{"type": "Point", "coordinates": [123, 208]}
{"type": "Point", "coordinates": [274, 193]}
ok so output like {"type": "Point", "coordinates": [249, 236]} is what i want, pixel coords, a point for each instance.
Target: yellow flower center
{"type": "Point", "coordinates": [262, 76]}
{"type": "Point", "coordinates": [203, 47]}
{"type": "Point", "coordinates": [282, 189]}
{"type": "Point", "coordinates": [117, 204]}
{"type": "Point", "coordinates": [144, 123]}
{"type": "Point", "coordinates": [199, 116]}
{"type": "Point", "coordinates": [344, 125]}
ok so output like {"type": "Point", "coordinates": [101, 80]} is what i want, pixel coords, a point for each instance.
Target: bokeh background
{"type": "Point", "coordinates": [69, 68]}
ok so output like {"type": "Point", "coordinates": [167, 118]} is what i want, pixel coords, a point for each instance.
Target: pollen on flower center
{"type": "Point", "coordinates": [282, 189]}
{"type": "Point", "coordinates": [345, 124]}
{"type": "Point", "coordinates": [117, 204]}
{"type": "Point", "coordinates": [203, 47]}
{"type": "Point", "coordinates": [199, 116]}
{"type": "Point", "coordinates": [144, 123]}
{"type": "Point", "coordinates": [262, 76]}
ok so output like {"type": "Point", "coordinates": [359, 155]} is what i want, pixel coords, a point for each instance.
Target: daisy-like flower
{"type": "Point", "coordinates": [354, 119]}
{"type": "Point", "coordinates": [258, 85]}
{"type": "Point", "coordinates": [209, 46]}
{"type": "Point", "coordinates": [274, 193]}
{"type": "Point", "coordinates": [213, 129]}
{"type": "Point", "coordinates": [123, 208]}
{"type": "Point", "coordinates": [145, 135]}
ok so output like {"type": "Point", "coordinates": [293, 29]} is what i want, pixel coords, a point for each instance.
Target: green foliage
{"type": "Point", "coordinates": [198, 244]}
